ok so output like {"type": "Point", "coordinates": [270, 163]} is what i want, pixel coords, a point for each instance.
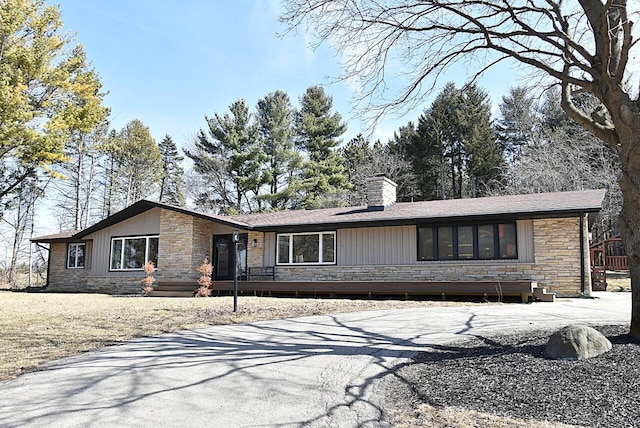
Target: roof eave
{"type": "Point", "coordinates": [415, 220]}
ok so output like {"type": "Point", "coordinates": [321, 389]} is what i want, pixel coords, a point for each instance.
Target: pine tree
{"type": "Point", "coordinates": [47, 92]}
{"type": "Point", "coordinates": [135, 166]}
{"type": "Point", "coordinates": [172, 181]}
{"type": "Point", "coordinates": [483, 155]}
{"type": "Point", "coordinates": [517, 126]}
{"type": "Point", "coordinates": [324, 178]}
{"type": "Point", "coordinates": [276, 133]}
{"type": "Point", "coordinates": [229, 154]}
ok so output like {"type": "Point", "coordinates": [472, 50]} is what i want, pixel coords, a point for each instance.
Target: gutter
{"type": "Point", "coordinates": [48, 249]}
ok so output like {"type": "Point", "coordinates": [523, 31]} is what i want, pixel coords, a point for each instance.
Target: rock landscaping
{"type": "Point", "coordinates": [509, 376]}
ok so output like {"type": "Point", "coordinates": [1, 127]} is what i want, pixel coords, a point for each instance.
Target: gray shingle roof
{"type": "Point", "coordinates": [532, 205]}
{"type": "Point", "coordinates": [517, 206]}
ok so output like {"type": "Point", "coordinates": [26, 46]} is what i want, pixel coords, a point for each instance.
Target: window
{"type": "Point", "coordinates": [132, 253]}
{"type": "Point", "coordinates": [307, 248]}
{"type": "Point", "coordinates": [468, 242]}
{"type": "Point", "coordinates": [76, 256]}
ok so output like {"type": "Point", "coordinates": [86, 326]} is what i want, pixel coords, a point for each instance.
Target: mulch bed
{"type": "Point", "coordinates": [509, 376]}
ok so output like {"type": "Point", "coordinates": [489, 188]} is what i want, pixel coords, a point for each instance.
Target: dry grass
{"type": "Point", "coordinates": [40, 327]}
{"type": "Point", "coordinates": [425, 415]}
{"type": "Point", "coordinates": [618, 284]}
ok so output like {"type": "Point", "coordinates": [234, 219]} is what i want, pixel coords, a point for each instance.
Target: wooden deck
{"type": "Point", "coordinates": [525, 290]}
{"type": "Point", "coordinates": [495, 289]}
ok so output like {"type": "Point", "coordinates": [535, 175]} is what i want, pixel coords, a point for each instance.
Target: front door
{"type": "Point", "coordinates": [223, 257]}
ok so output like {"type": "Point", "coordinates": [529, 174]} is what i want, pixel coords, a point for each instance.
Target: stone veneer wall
{"type": "Point", "coordinates": [556, 266]}
{"type": "Point", "coordinates": [255, 255]}
{"type": "Point", "coordinates": [202, 244]}
{"type": "Point", "coordinates": [381, 192]}
{"type": "Point", "coordinates": [184, 242]}
{"type": "Point", "coordinates": [557, 255]}
{"type": "Point", "coordinates": [175, 252]}
{"type": "Point", "coordinates": [59, 277]}
{"type": "Point", "coordinates": [130, 284]}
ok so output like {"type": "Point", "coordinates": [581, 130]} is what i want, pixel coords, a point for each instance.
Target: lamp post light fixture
{"type": "Point", "coordinates": [236, 238]}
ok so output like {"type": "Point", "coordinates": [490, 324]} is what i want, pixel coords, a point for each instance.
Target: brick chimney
{"type": "Point", "coordinates": [381, 193]}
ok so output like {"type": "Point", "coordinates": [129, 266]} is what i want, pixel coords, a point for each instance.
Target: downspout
{"type": "Point", "coordinates": [583, 267]}
{"type": "Point", "coordinates": [48, 250]}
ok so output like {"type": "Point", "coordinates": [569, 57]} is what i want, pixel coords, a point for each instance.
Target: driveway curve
{"type": "Point", "coordinates": [319, 371]}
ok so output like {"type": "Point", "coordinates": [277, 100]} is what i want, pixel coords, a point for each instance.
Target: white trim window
{"type": "Point", "coordinates": [306, 248]}
{"type": "Point", "coordinates": [76, 255]}
{"type": "Point", "coordinates": [132, 252]}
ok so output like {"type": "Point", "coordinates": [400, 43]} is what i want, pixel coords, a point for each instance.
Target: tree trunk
{"type": "Point", "coordinates": [630, 231]}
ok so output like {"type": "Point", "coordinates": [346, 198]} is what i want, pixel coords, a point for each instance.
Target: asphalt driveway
{"type": "Point", "coordinates": [319, 371]}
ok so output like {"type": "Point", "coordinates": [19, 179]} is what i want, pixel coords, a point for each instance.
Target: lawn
{"type": "Point", "coordinates": [40, 327]}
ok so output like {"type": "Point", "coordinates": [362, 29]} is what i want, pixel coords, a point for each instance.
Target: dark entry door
{"type": "Point", "coordinates": [223, 257]}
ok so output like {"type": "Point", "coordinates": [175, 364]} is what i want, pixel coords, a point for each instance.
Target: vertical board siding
{"type": "Point", "coordinates": [269, 255]}
{"type": "Point", "coordinates": [377, 246]}
{"type": "Point", "coordinates": [525, 240]}
{"type": "Point", "coordinates": [147, 223]}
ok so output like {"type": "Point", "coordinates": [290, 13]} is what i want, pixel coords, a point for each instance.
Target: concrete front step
{"type": "Point", "coordinates": [543, 295]}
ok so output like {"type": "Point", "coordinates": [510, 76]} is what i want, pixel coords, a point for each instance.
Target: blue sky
{"type": "Point", "coordinates": [169, 63]}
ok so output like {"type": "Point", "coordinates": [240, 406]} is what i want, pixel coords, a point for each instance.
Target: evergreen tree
{"type": "Point", "coordinates": [47, 92]}
{"type": "Point", "coordinates": [172, 181]}
{"type": "Point", "coordinates": [323, 178]}
{"type": "Point", "coordinates": [135, 166]}
{"type": "Point", "coordinates": [560, 155]}
{"type": "Point", "coordinates": [283, 163]}
{"type": "Point", "coordinates": [516, 127]}
{"type": "Point", "coordinates": [453, 150]}
{"type": "Point", "coordinates": [363, 161]}
{"type": "Point", "coordinates": [229, 154]}
{"type": "Point", "coordinates": [357, 154]}
{"type": "Point", "coordinates": [484, 160]}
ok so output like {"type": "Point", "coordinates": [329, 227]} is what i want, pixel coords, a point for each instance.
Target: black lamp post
{"type": "Point", "coordinates": [236, 237]}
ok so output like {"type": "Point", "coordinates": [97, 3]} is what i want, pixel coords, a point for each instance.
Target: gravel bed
{"type": "Point", "coordinates": [508, 376]}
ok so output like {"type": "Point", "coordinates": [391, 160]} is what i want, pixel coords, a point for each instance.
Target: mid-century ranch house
{"type": "Point", "coordinates": [495, 245]}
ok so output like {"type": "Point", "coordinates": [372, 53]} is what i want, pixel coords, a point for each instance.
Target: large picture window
{"type": "Point", "coordinates": [467, 242]}
{"type": "Point", "coordinates": [307, 248]}
{"type": "Point", "coordinates": [76, 256]}
{"type": "Point", "coordinates": [131, 253]}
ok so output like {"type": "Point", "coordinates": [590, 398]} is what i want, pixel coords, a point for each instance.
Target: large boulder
{"type": "Point", "coordinates": [576, 342]}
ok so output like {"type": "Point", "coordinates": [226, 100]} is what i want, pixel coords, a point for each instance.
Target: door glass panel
{"type": "Point", "coordinates": [222, 259]}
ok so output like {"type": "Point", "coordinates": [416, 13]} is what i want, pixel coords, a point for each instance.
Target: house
{"type": "Point", "coordinates": [495, 245]}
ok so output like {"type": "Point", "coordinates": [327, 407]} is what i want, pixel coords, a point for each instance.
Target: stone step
{"type": "Point", "coordinates": [175, 287]}
{"type": "Point", "coordinates": [543, 295]}
{"type": "Point", "coordinates": [161, 293]}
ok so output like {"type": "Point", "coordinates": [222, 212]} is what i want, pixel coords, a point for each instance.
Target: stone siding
{"type": "Point", "coordinates": [59, 277]}
{"type": "Point", "coordinates": [557, 255]}
{"type": "Point", "coordinates": [175, 253]}
{"type": "Point", "coordinates": [418, 272]}
{"type": "Point", "coordinates": [116, 285]}
{"type": "Point", "coordinates": [381, 192]}
{"type": "Point", "coordinates": [556, 265]}
{"type": "Point", "coordinates": [255, 255]}
{"type": "Point", "coordinates": [202, 243]}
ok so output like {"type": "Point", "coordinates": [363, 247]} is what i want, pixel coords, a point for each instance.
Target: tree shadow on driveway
{"type": "Point", "coordinates": [314, 371]}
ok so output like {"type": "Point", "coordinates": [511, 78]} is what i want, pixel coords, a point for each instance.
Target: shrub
{"type": "Point", "coordinates": [205, 269]}
{"type": "Point", "coordinates": [147, 282]}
